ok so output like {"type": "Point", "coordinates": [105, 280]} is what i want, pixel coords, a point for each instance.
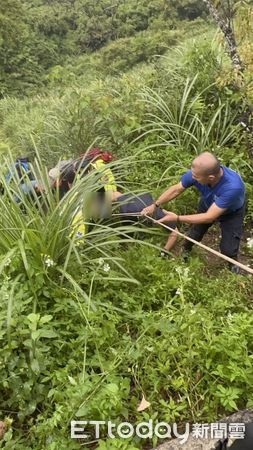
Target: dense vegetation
{"type": "Point", "coordinates": [38, 35]}
{"type": "Point", "coordinates": [86, 330]}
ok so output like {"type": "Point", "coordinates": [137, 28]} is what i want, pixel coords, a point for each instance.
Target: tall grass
{"type": "Point", "coordinates": [39, 231]}
{"type": "Point", "coordinates": [185, 121]}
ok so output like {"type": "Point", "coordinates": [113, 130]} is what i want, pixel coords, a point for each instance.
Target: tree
{"type": "Point", "coordinates": [18, 67]}
{"type": "Point", "coordinates": [223, 13]}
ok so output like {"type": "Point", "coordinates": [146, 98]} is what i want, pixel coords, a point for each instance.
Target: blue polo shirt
{"type": "Point", "coordinates": [228, 193]}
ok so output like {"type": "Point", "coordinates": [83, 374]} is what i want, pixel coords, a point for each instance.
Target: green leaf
{"type": "Point", "coordinates": [82, 412]}
{"type": "Point", "coordinates": [48, 334]}
{"type": "Point", "coordinates": [72, 381]}
{"type": "Point", "coordinates": [34, 318]}
{"type": "Point", "coordinates": [46, 319]}
{"type": "Point", "coordinates": [232, 405]}
{"type": "Point", "coordinates": [35, 366]}
{"type": "Point", "coordinates": [35, 334]}
{"type": "Point", "coordinates": [112, 388]}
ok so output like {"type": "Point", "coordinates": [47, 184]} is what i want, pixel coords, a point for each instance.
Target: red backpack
{"type": "Point", "coordinates": [97, 153]}
{"type": "Point", "coordinates": [93, 154]}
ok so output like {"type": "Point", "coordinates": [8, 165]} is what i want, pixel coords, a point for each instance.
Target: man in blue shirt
{"type": "Point", "coordinates": [222, 199]}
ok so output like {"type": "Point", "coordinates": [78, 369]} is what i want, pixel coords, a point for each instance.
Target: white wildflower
{"type": "Point", "coordinates": [250, 243]}
{"type": "Point", "coordinates": [178, 291]}
{"type": "Point", "coordinates": [186, 272]}
{"type": "Point", "coordinates": [179, 270]}
{"type": "Point", "coordinates": [7, 262]}
{"type": "Point", "coordinates": [48, 261]}
{"type": "Point", "coordinates": [101, 261]}
{"type": "Point", "coordinates": [229, 317]}
{"type": "Point", "coordinates": [106, 268]}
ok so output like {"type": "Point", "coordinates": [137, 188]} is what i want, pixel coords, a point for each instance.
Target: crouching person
{"type": "Point", "coordinates": [23, 180]}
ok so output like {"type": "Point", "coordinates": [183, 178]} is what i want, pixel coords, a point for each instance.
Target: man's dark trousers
{"type": "Point", "coordinates": [231, 225]}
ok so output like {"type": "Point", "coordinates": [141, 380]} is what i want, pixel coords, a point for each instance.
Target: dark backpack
{"type": "Point", "coordinates": [132, 203]}
{"type": "Point", "coordinates": [81, 166]}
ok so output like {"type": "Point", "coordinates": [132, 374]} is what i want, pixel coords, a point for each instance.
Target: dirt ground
{"type": "Point", "coordinates": [213, 263]}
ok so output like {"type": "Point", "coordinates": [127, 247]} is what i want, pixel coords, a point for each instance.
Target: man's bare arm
{"type": "Point", "coordinates": [171, 193]}
{"type": "Point", "coordinates": [208, 217]}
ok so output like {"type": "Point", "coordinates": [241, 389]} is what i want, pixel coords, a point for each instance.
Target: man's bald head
{"type": "Point", "coordinates": [206, 164]}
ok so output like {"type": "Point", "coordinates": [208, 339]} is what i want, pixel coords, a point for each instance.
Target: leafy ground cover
{"type": "Point", "coordinates": [87, 330]}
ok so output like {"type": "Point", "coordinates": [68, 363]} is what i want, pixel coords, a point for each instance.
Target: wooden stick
{"type": "Point", "coordinates": [205, 247]}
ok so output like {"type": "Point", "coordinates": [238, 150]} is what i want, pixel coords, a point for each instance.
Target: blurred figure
{"type": "Point", "coordinates": [21, 172]}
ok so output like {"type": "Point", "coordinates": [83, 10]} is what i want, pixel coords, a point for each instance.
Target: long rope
{"type": "Point", "coordinates": [205, 247]}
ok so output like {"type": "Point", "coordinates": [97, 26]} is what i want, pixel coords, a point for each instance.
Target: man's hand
{"type": "Point", "coordinates": [170, 217]}
{"type": "Point", "coordinates": [149, 210]}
